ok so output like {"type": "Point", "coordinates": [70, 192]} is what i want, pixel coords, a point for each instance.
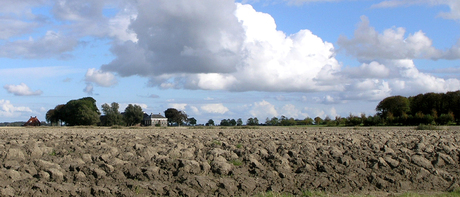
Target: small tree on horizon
{"type": "Point", "coordinates": [133, 115]}
{"type": "Point", "coordinates": [210, 122]}
{"type": "Point", "coordinates": [112, 115]}
{"type": "Point", "coordinates": [192, 121]}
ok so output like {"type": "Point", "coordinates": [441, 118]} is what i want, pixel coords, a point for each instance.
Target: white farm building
{"type": "Point", "coordinates": [154, 120]}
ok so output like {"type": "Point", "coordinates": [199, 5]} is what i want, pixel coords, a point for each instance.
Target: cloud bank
{"type": "Point", "coordinates": [223, 45]}
{"type": "Point", "coordinates": [21, 90]}
{"type": "Point", "coordinates": [231, 47]}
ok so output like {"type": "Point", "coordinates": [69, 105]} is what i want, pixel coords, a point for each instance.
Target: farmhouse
{"type": "Point", "coordinates": [154, 120]}
{"type": "Point", "coordinates": [33, 121]}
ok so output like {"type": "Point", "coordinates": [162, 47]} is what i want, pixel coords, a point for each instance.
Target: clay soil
{"type": "Point", "coordinates": [50, 161]}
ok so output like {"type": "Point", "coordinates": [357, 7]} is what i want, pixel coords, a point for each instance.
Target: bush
{"type": "Point", "coordinates": [446, 119]}
{"type": "Point", "coordinates": [427, 127]}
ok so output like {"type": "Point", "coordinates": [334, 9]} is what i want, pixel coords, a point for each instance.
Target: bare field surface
{"type": "Point", "coordinates": [53, 161]}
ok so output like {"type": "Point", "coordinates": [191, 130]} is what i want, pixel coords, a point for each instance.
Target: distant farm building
{"type": "Point", "coordinates": [154, 120]}
{"type": "Point", "coordinates": [33, 121]}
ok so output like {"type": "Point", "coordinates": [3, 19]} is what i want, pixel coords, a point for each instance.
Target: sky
{"type": "Point", "coordinates": [226, 59]}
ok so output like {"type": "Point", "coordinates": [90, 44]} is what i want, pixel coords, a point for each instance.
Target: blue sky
{"type": "Point", "coordinates": [226, 59]}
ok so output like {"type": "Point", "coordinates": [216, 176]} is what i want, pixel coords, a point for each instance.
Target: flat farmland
{"type": "Point", "coordinates": [67, 161]}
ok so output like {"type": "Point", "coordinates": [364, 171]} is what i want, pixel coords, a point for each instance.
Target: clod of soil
{"type": "Point", "coordinates": [225, 162]}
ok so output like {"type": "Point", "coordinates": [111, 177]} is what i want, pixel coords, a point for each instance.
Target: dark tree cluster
{"type": "Point", "coordinates": [133, 115]}
{"type": "Point", "coordinates": [176, 117]}
{"type": "Point", "coordinates": [228, 122]}
{"type": "Point", "coordinates": [75, 112]}
{"type": "Point", "coordinates": [429, 108]}
{"type": "Point", "coordinates": [252, 121]}
{"type": "Point", "coordinates": [111, 115]}
{"type": "Point", "coordinates": [85, 112]}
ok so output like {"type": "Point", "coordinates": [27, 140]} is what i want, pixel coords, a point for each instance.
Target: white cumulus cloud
{"type": "Point", "coordinates": [21, 90]}
{"type": "Point", "coordinates": [368, 44]}
{"type": "Point", "coordinates": [216, 108]}
{"type": "Point", "coordinates": [9, 110]}
{"type": "Point", "coordinates": [104, 79]}
{"type": "Point", "coordinates": [230, 47]}
{"type": "Point", "coordinates": [263, 109]}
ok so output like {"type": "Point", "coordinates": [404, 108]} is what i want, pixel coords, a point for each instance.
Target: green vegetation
{"type": "Point", "coordinates": [422, 109]}
{"type": "Point", "coordinates": [210, 122]}
{"type": "Point", "coordinates": [111, 115]}
{"type": "Point", "coordinates": [427, 109]}
{"type": "Point", "coordinates": [80, 112]}
{"type": "Point", "coordinates": [236, 162]}
{"type": "Point", "coordinates": [428, 127]}
{"type": "Point", "coordinates": [176, 116]}
{"type": "Point", "coordinates": [84, 112]}
{"type": "Point", "coordinates": [53, 153]}
{"type": "Point", "coordinates": [228, 122]}
{"type": "Point", "coordinates": [133, 115]}
{"type": "Point", "coordinates": [252, 121]}
{"type": "Point", "coordinates": [217, 142]}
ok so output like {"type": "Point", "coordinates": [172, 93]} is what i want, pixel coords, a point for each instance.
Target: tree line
{"type": "Point", "coordinates": [85, 112]}
{"type": "Point", "coordinates": [428, 108]}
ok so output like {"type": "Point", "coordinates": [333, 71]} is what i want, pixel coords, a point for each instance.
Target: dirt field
{"type": "Point", "coordinates": [49, 161]}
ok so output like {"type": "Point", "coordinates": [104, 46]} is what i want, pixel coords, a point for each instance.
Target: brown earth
{"type": "Point", "coordinates": [48, 161]}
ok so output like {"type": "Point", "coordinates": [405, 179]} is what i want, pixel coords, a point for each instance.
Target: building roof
{"type": "Point", "coordinates": [153, 116]}
{"type": "Point", "coordinates": [156, 116]}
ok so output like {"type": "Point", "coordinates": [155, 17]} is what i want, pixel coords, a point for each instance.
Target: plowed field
{"type": "Point", "coordinates": [51, 161]}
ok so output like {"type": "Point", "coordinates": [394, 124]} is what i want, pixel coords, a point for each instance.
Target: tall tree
{"type": "Point", "coordinates": [397, 105]}
{"type": "Point", "coordinates": [308, 121]}
{"type": "Point", "coordinates": [318, 120]}
{"type": "Point", "coordinates": [51, 116]}
{"type": "Point", "coordinates": [175, 116]}
{"type": "Point", "coordinates": [80, 112]}
{"type": "Point", "coordinates": [232, 122]}
{"type": "Point", "coordinates": [210, 122]}
{"type": "Point", "coordinates": [224, 122]}
{"type": "Point", "coordinates": [239, 122]}
{"type": "Point", "coordinates": [112, 115]}
{"type": "Point", "coordinates": [252, 121]}
{"type": "Point", "coordinates": [133, 115]}
{"type": "Point", "coordinates": [192, 121]}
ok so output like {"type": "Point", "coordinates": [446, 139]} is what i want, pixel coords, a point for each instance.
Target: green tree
{"type": "Point", "coordinates": [55, 115]}
{"type": "Point", "coordinates": [175, 116]}
{"type": "Point", "coordinates": [252, 121]}
{"type": "Point", "coordinates": [308, 121]}
{"type": "Point", "coordinates": [397, 105]}
{"type": "Point", "coordinates": [80, 112]}
{"type": "Point", "coordinates": [445, 119]}
{"type": "Point", "coordinates": [192, 121]}
{"type": "Point", "coordinates": [233, 122]}
{"type": "Point", "coordinates": [133, 115]}
{"type": "Point", "coordinates": [112, 115]}
{"type": "Point", "coordinates": [210, 122]}
{"type": "Point", "coordinates": [451, 103]}
{"type": "Point", "coordinates": [274, 121]}
{"type": "Point", "coordinates": [284, 121]}
{"type": "Point", "coordinates": [318, 120]}
{"type": "Point", "coordinates": [51, 117]}
{"type": "Point", "coordinates": [225, 122]}
{"type": "Point", "coordinates": [327, 121]}
{"type": "Point", "coordinates": [239, 122]}
{"type": "Point", "coordinates": [59, 113]}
